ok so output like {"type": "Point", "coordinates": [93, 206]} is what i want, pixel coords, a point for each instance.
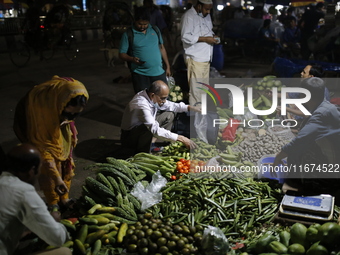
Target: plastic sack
{"type": "Point", "coordinates": [150, 195]}
{"type": "Point", "coordinates": [212, 162]}
{"type": "Point", "coordinates": [201, 125]}
{"type": "Point", "coordinates": [171, 82]}
{"type": "Point", "coordinates": [204, 127]}
{"type": "Point", "coordinates": [214, 242]}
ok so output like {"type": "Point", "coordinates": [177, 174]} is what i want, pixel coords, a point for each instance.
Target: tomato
{"type": "Point", "coordinates": [182, 160]}
{"type": "Point", "coordinates": [173, 177]}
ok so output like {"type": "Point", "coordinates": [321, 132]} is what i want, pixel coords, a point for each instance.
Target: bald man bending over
{"type": "Point", "coordinates": [21, 207]}
{"type": "Point", "coordinates": [139, 124]}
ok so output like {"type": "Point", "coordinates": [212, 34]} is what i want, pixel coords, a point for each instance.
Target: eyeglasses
{"type": "Point", "coordinates": [162, 98]}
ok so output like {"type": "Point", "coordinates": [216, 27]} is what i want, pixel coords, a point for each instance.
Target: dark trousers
{"type": "Point", "coordinates": [141, 82]}
{"type": "Point", "coordinates": [139, 138]}
{"type": "Point", "coordinates": [136, 140]}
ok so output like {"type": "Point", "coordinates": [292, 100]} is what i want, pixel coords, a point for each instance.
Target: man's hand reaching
{"type": "Point", "coordinates": [187, 142]}
{"type": "Point", "coordinates": [194, 108]}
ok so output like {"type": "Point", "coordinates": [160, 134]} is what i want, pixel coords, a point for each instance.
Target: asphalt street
{"type": "Point", "coordinates": [98, 125]}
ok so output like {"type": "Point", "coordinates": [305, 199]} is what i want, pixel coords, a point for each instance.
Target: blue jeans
{"type": "Point", "coordinates": [141, 82]}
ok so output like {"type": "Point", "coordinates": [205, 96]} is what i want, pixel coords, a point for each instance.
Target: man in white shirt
{"type": "Point", "coordinates": [21, 208]}
{"type": "Point", "coordinates": [139, 124]}
{"type": "Point", "coordinates": [198, 40]}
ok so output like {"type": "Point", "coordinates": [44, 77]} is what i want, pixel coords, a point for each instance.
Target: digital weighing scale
{"type": "Point", "coordinates": [318, 207]}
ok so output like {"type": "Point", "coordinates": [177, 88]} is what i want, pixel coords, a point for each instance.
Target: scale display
{"type": "Point", "coordinates": [313, 207]}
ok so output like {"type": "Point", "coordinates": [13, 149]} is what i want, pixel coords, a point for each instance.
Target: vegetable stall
{"type": "Point", "coordinates": [174, 203]}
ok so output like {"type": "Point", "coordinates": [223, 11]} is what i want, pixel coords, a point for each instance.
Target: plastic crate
{"type": "Point", "coordinates": [264, 170]}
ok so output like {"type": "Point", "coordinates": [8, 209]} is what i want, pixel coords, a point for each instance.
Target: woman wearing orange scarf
{"type": "Point", "coordinates": [45, 118]}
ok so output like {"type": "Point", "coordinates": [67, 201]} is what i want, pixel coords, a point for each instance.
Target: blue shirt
{"type": "Point", "coordinates": [146, 48]}
{"type": "Point", "coordinates": [324, 122]}
{"type": "Point", "coordinates": [291, 35]}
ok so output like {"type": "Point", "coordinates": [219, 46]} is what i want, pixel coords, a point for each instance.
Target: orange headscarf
{"type": "Point", "coordinates": [44, 105]}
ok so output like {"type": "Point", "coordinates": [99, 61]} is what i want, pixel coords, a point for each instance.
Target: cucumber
{"type": "Point", "coordinates": [122, 232]}
{"type": "Point", "coordinates": [78, 248]}
{"type": "Point", "coordinates": [103, 221]}
{"type": "Point", "coordinates": [90, 221]}
{"type": "Point", "coordinates": [94, 208]}
{"type": "Point", "coordinates": [91, 238]}
{"type": "Point", "coordinates": [68, 244]}
{"type": "Point", "coordinates": [96, 247]}
{"type": "Point", "coordinates": [82, 233]}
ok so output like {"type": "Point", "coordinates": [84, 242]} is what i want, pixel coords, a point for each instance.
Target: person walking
{"type": "Point", "coordinates": [198, 40]}
{"type": "Point", "coordinates": [142, 48]}
{"type": "Point", "coordinates": [45, 118]}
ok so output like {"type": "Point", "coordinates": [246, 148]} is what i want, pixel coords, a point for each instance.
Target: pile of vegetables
{"type": "Point", "coordinates": [176, 149]}
{"type": "Point", "coordinates": [99, 231]}
{"type": "Point", "coordinates": [111, 220]}
{"type": "Point", "coordinates": [204, 151]}
{"type": "Point", "coordinates": [176, 94]}
{"type": "Point", "coordinates": [150, 164]}
{"type": "Point", "coordinates": [160, 236]}
{"type": "Point", "coordinates": [243, 208]}
{"type": "Point", "coordinates": [236, 205]}
{"type": "Point", "coordinates": [299, 239]}
{"type": "Point", "coordinates": [253, 147]}
{"type": "Point", "coordinates": [268, 82]}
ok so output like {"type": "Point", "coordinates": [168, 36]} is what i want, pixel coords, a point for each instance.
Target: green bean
{"type": "Point", "coordinates": [235, 207]}
{"type": "Point", "coordinates": [259, 204]}
{"type": "Point", "coordinates": [180, 219]}
{"type": "Point", "coordinates": [251, 221]}
{"type": "Point", "coordinates": [212, 202]}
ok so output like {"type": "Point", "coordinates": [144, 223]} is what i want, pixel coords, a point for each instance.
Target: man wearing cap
{"type": "Point", "coordinates": [198, 40]}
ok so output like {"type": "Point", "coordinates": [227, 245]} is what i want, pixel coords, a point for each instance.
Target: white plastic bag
{"type": "Point", "coordinates": [150, 195]}
{"type": "Point", "coordinates": [214, 242]}
{"type": "Point", "coordinates": [171, 82]}
{"type": "Point", "coordinates": [201, 125]}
